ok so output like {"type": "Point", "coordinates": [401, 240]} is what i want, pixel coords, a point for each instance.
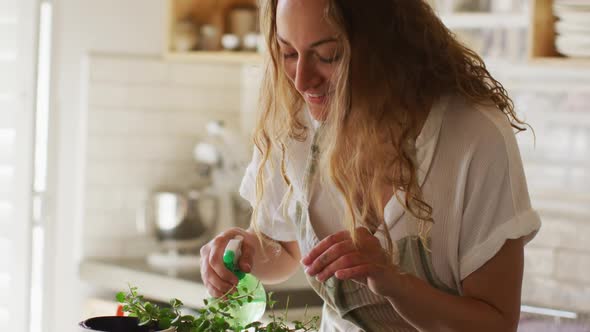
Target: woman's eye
{"type": "Point", "coordinates": [332, 59]}
{"type": "Point", "coordinates": [290, 55]}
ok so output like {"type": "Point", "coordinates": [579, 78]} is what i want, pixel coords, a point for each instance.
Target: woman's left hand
{"type": "Point", "coordinates": [369, 264]}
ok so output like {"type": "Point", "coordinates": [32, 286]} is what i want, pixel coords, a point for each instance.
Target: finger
{"type": "Point", "coordinates": [214, 280]}
{"type": "Point", "coordinates": [247, 258]}
{"type": "Point", "coordinates": [366, 239]}
{"type": "Point", "coordinates": [363, 232]}
{"type": "Point", "coordinates": [211, 284]}
{"type": "Point", "coordinates": [216, 262]}
{"type": "Point", "coordinates": [345, 262]}
{"type": "Point", "coordinates": [329, 256]}
{"type": "Point", "coordinates": [211, 278]}
{"type": "Point", "coordinates": [213, 291]}
{"type": "Point", "coordinates": [323, 245]}
{"type": "Point", "coordinates": [220, 294]}
{"type": "Point", "coordinates": [357, 272]}
{"type": "Point", "coordinates": [204, 253]}
{"type": "Point", "coordinates": [218, 246]}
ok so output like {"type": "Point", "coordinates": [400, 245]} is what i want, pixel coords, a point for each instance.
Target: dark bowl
{"type": "Point", "coordinates": [114, 324]}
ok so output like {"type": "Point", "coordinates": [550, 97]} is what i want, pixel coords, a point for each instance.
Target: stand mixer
{"type": "Point", "coordinates": [225, 156]}
{"type": "Point", "coordinates": [183, 220]}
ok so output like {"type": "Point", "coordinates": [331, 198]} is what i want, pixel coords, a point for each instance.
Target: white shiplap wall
{"type": "Point", "coordinates": [144, 116]}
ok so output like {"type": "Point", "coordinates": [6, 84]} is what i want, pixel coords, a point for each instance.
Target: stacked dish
{"type": "Point", "coordinates": [573, 27]}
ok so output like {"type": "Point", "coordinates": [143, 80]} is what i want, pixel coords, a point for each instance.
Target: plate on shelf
{"type": "Point", "coordinates": [571, 6]}
{"type": "Point", "coordinates": [580, 17]}
{"type": "Point", "coordinates": [573, 46]}
{"type": "Point", "coordinates": [564, 28]}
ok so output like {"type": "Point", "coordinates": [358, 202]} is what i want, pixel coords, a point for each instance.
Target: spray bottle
{"type": "Point", "coordinates": [251, 311]}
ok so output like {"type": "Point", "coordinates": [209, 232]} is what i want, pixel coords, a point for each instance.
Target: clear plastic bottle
{"type": "Point", "coordinates": [252, 311]}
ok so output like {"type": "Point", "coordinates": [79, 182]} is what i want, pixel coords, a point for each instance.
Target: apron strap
{"type": "Point", "coordinates": [311, 164]}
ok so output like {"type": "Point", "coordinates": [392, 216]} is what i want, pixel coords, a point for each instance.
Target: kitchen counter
{"type": "Point", "coordinates": [117, 274]}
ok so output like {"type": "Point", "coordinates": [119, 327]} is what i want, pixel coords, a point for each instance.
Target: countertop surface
{"type": "Point", "coordinates": [117, 274]}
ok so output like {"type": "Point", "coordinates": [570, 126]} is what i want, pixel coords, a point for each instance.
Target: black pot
{"type": "Point", "coordinates": [115, 324]}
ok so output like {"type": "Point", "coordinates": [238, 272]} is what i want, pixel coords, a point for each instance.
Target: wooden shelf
{"type": "Point", "coordinates": [216, 57]}
{"type": "Point", "coordinates": [560, 61]}
{"type": "Point", "coordinates": [205, 12]}
{"type": "Point", "coordinates": [541, 22]}
{"type": "Point", "coordinates": [542, 38]}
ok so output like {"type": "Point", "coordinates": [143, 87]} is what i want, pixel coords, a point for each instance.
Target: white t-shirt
{"type": "Point", "coordinates": [471, 174]}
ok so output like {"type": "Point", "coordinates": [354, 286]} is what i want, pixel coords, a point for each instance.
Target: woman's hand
{"type": "Point", "coordinates": [216, 277]}
{"type": "Point", "coordinates": [337, 256]}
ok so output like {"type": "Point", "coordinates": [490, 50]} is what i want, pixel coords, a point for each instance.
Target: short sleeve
{"type": "Point", "coordinates": [496, 200]}
{"type": "Point", "coordinates": [271, 220]}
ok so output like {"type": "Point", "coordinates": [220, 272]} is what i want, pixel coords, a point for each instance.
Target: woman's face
{"type": "Point", "coordinates": [310, 49]}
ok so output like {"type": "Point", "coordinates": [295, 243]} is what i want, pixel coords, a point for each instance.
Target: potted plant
{"type": "Point", "coordinates": [215, 316]}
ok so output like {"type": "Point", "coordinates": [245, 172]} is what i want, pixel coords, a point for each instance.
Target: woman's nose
{"type": "Point", "coordinates": [306, 76]}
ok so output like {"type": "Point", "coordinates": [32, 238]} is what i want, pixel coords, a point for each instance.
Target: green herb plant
{"type": "Point", "coordinates": [213, 317]}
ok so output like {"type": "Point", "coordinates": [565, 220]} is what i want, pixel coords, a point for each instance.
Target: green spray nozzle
{"type": "Point", "coordinates": [232, 254]}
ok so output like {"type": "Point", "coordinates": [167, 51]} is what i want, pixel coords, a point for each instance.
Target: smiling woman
{"type": "Point", "coordinates": [310, 50]}
{"type": "Point", "coordinates": [386, 158]}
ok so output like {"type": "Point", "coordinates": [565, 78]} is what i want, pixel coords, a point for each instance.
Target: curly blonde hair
{"type": "Point", "coordinates": [397, 59]}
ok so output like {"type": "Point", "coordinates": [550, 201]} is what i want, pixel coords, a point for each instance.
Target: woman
{"type": "Point", "coordinates": [386, 166]}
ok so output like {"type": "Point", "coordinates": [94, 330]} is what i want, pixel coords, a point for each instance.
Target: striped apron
{"type": "Point", "coordinates": [348, 305]}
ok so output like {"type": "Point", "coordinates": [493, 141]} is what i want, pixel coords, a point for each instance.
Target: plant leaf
{"type": "Point", "coordinates": [121, 297]}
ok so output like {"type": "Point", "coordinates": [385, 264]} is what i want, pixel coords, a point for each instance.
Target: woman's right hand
{"type": "Point", "coordinates": [216, 277]}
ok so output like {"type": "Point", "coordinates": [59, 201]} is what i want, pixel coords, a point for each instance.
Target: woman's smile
{"type": "Point", "coordinates": [316, 98]}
